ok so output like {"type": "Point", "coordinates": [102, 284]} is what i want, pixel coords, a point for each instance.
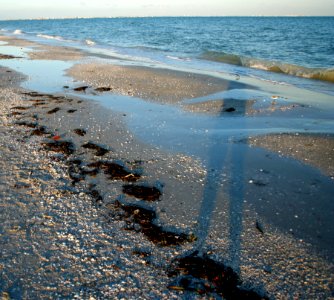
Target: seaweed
{"type": "Point", "coordinates": [77, 172]}
{"type": "Point", "coordinates": [41, 130]}
{"type": "Point", "coordinates": [39, 103]}
{"type": "Point", "coordinates": [21, 107]}
{"type": "Point", "coordinates": [5, 56]}
{"type": "Point", "coordinates": [27, 124]}
{"type": "Point", "coordinates": [204, 275]}
{"type": "Point", "coordinates": [16, 113]}
{"type": "Point", "coordinates": [81, 88]}
{"type": "Point", "coordinates": [144, 219]}
{"type": "Point", "coordinates": [80, 131]}
{"type": "Point", "coordinates": [142, 192]}
{"type": "Point", "coordinates": [34, 94]}
{"type": "Point", "coordinates": [103, 89]}
{"type": "Point", "coordinates": [74, 172]}
{"type": "Point", "coordinates": [115, 171]}
{"type": "Point", "coordinates": [52, 111]}
{"type": "Point", "coordinates": [230, 109]}
{"type": "Point", "coordinates": [100, 151]}
{"type": "Point", "coordinates": [65, 147]}
{"type": "Point", "coordinates": [95, 195]}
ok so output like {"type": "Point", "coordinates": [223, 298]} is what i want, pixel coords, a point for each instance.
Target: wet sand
{"type": "Point", "coordinates": [311, 149]}
{"type": "Point", "coordinates": [152, 84]}
{"type": "Point", "coordinates": [45, 52]}
{"type": "Point", "coordinates": [91, 211]}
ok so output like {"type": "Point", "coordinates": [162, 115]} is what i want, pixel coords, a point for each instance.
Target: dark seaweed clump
{"type": "Point", "coordinates": [142, 219]}
{"type": "Point", "coordinates": [38, 102]}
{"type": "Point", "coordinates": [65, 147]}
{"type": "Point", "coordinates": [230, 109]}
{"type": "Point", "coordinates": [27, 124]}
{"type": "Point", "coordinates": [103, 89]}
{"type": "Point", "coordinates": [80, 131]}
{"type": "Point", "coordinates": [78, 172]}
{"type": "Point", "coordinates": [95, 194]}
{"type": "Point", "coordinates": [100, 151]}
{"type": "Point", "coordinates": [16, 113]}
{"type": "Point", "coordinates": [41, 130]}
{"type": "Point", "coordinates": [52, 111]}
{"type": "Point", "coordinates": [20, 107]}
{"type": "Point", "coordinates": [203, 275]}
{"type": "Point", "coordinates": [142, 192]}
{"type": "Point", "coordinates": [5, 56]}
{"type": "Point", "coordinates": [34, 94]}
{"type": "Point", "coordinates": [115, 171]}
{"type": "Point", "coordinates": [81, 88]}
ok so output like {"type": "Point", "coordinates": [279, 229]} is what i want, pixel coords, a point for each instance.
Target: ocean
{"type": "Point", "coordinates": [298, 46]}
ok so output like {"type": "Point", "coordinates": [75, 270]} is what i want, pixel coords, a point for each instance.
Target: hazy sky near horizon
{"type": "Point", "coordinates": [18, 9]}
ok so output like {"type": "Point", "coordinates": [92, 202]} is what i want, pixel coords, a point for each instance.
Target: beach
{"type": "Point", "coordinates": [101, 199]}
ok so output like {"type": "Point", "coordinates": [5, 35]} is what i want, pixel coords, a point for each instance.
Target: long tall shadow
{"type": "Point", "coordinates": [224, 157]}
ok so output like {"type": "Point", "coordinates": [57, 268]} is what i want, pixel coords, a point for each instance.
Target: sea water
{"type": "Point", "coordinates": [299, 46]}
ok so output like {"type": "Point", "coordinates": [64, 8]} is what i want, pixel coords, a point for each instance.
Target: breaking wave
{"type": "Point", "coordinates": [90, 42]}
{"type": "Point", "coordinates": [17, 31]}
{"type": "Point", "coordinates": [50, 37]}
{"type": "Point", "coordinates": [272, 66]}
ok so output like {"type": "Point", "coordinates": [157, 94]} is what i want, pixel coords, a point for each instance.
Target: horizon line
{"type": "Point", "coordinates": [169, 16]}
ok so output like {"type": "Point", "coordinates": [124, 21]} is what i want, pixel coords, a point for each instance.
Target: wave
{"type": "Point", "coordinates": [50, 37]}
{"type": "Point", "coordinates": [90, 42]}
{"type": "Point", "coordinates": [271, 66]}
{"type": "Point", "coordinates": [178, 58]}
{"type": "Point", "coordinates": [17, 31]}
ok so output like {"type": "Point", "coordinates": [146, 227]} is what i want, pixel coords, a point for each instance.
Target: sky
{"type": "Point", "coordinates": [25, 9]}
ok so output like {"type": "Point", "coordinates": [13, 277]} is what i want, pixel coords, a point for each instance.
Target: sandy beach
{"type": "Point", "coordinates": [91, 210]}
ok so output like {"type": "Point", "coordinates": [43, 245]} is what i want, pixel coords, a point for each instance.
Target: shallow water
{"type": "Point", "coordinates": [297, 46]}
{"type": "Point", "coordinates": [176, 129]}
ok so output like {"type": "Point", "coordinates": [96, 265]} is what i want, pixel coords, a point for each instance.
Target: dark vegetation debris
{"type": "Point", "coordinates": [27, 124]}
{"type": "Point", "coordinates": [65, 147]}
{"type": "Point", "coordinates": [230, 109]}
{"type": "Point", "coordinates": [52, 111]}
{"type": "Point", "coordinates": [103, 89]}
{"type": "Point", "coordinates": [203, 275]}
{"type": "Point", "coordinates": [115, 171]}
{"type": "Point", "coordinates": [142, 192]}
{"type": "Point", "coordinates": [100, 151]}
{"type": "Point", "coordinates": [144, 217]}
{"type": "Point", "coordinates": [21, 107]}
{"type": "Point", "coordinates": [259, 226]}
{"type": "Point", "coordinates": [81, 88]}
{"type": "Point", "coordinates": [40, 130]}
{"type": "Point", "coordinates": [80, 131]}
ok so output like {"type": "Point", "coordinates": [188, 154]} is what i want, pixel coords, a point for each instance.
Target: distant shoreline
{"type": "Point", "coordinates": [147, 17]}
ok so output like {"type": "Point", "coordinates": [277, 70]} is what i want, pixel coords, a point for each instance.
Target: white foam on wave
{"type": "Point", "coordinates": [90, 42]}
{"type": "Point", "coordinates": [50, 37]}
{"type": "Point", "coordinates": [178, 58]}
